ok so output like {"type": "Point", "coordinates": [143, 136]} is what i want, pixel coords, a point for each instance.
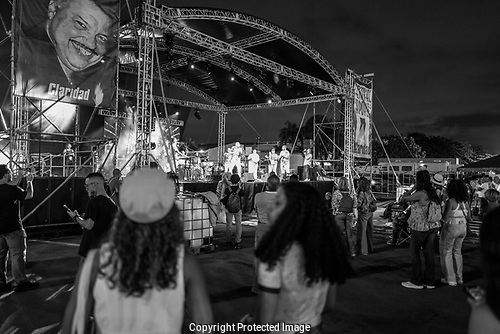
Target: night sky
{"type": "Point", "coordinates": [436, 64]}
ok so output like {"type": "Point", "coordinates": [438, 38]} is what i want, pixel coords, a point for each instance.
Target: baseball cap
{"type": "Point", "coordinates": [437, 179]}
{"type": "Point", "coordinates": [147, 195]}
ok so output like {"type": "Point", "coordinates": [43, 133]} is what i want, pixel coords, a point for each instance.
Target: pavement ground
{"type": "Point", "coordinates": [373, 301]}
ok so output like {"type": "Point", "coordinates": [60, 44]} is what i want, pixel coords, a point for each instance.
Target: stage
{"type": "Point", "coordinates": [52, 218]}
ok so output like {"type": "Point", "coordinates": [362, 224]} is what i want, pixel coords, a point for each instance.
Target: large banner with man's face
{"type": "Point", "coordinates": [362, 119]}
{"type": "Point", "coordinates": [66, 51]}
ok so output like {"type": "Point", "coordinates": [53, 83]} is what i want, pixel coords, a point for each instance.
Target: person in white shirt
{"type": "Point", "coordinates": [284, 162]}
{"type": "Point", "coordinates": [253, 163]}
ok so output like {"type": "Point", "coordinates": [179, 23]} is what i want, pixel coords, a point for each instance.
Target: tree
{"type": "Point", "coordinates": [396, 147]}
{"type": "Point", "coordinates": [289, 133]}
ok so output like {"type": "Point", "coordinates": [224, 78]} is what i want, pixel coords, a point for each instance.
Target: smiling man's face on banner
{"type": "Point", "coordinates": [79, 30]}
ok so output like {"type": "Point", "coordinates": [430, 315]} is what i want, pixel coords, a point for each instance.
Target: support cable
{"type": "Point", "coordinates": [386, 154]}
{"type": "Point", "coordinates": [300, 127]}
{"type": "Point", "coordinates": [257, 132]}
{"type": "Point", "coordinates": [166, 144]}
{"type": "Point", "coordinates": [394, 125]}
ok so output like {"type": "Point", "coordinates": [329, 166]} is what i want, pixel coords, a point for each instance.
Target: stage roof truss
{"type": "Point", "coordinates": [184, 85]}
{"type": "Point", "coordinates": [262, 25]}
{"type": "Point", "coordinates": [182, 103]}
{"type": "Point", "coordinates": [285, 103]}
{"type": "Point", "coordinates": [228, 66]}
{"type": "Point", "coordinates": [242, 43]}
{"type": "Point", "coordinates": [204, 40]}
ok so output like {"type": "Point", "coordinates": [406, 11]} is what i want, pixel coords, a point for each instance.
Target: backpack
{"type": "Point", "coordinates": [233, 203]}
{"type": "Point", "coordinates": [346, 204]}
{"type": "Point", "coordinates": [434, 214]}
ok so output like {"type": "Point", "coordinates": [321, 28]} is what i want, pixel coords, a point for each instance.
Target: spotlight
{"type": "Point", "coordinates": [338, 100]}
{"type": "Point", "coordinates": [176, 113]}
{"type": "Point", "coordinates": [232, 78]}
{"type": "Point", "coordinates": [269, 101]}
{"type": "Point", "coordinates": [192, 66]}
{"type": "Point", "coordinates": [197, 113]}
{"type": "Point", "coordinates": [251, 89]}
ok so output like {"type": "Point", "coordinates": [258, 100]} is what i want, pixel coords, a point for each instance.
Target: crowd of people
{"type": "Point", "coordinates": [137, 270]}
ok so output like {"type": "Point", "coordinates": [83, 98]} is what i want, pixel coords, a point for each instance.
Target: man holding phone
{"type": "Point", "coordinates": [98, 216]}
{"type": "Point", "coordinates": [12, 234]}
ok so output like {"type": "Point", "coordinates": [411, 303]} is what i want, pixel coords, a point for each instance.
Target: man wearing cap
{"type": "Point", "coordinates": [99, 215]}
{"type": "Point", "coordinates": [438, 182]}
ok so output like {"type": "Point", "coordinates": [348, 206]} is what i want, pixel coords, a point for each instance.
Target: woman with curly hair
{"type": "Point", "coordinates": [140, 279]}
{"type": "Point", "coordinates": [456, 215]}
{"type": "Point", "coordinates": [485, 315]}
{"type": "Point", "coordinates": [423, 232]}
{"type": "Point", "coordinates": [301, 259]}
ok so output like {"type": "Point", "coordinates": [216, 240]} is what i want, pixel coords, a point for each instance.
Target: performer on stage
{"type": "Point", "coordinates": [307, 163]}
{"type": "Point", "coordinates": [273, 160]}
{"type": "Point", "coordinates": [284, 162]}
{"type": "Point", "coordinates": [227, 159]}
{"type": "Point", "coordinates": [69, 159]}
{"type": "Point", "coordinates": [236, 158]}
{"type": "Point", "coordinates": [253, 163]}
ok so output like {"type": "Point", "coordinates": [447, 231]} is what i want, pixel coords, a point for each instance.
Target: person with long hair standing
{"type": "Point", "coordinates": [343, 205]}
{"type": "Point", "coordinates": [301, 259]}
{"type": "Point", "coordinates": [140, 279]}
{"type": "Point", "coordinates": [456, 215]}
{"type": "Point", "coordinates": [423, 232]}
{"type": "Point", "coordinates": [365, 199]}
{"type": "Point", "coordinates": [485, 315]}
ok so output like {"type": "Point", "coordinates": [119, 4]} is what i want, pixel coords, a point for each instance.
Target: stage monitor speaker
{"type": "Point", "coordinates": [248, 177]}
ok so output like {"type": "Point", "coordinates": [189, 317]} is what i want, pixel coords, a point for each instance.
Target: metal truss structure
{"type": "Point", "coordinates": [182, 103]}
{"type": "Point", "coordinates": [221, 62]}
{"type": "Point", "coordinates": [196, 37]}
{"type": "Point", "coordinates": [144, 110]}
{"type": "Point", "coordinates": [181, 84]}
{"type": "Point", "coordinates": [221, 139]}
{"type": "Point", "coordinates": [348, 124]}
{"type": "Point", "coordinates": [262, 25]}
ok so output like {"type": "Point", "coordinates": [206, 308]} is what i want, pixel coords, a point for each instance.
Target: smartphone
{"type": "Point", "coordinates": [474, 292]}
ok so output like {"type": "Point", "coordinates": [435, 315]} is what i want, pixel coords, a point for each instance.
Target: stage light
{"type": "Point", "coordinates": [269, 101]}
{"type": "Point", "coordinates": [176, 113]}
{"type": "Point", "coordinates": [338, 100]}
{"type": "Point", "coordinates": [232, 78]}
{"type": "Point", "coordinates": [251, 89]}
{"type": "Point", "coordinates": [197, 113]}
{"type": "Point", "coordinates": [192, 66]}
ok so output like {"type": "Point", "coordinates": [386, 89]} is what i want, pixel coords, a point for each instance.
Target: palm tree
{"type": "Point", "coordinates": [289, 133]}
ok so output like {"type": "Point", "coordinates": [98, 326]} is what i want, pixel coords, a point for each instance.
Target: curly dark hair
{"type": "Point", "coordinates": [423, 182]}
{"type": "Point", "coordinates": [144, 256]}
{"type": "Point", "coordinates": [489, 246]}
{"type": "Point", "coordinates": [458, 190]}
{"type": "Point", "coordinates": [306, 220]}
{"type": "Point", "coordinates": [363, 184]}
